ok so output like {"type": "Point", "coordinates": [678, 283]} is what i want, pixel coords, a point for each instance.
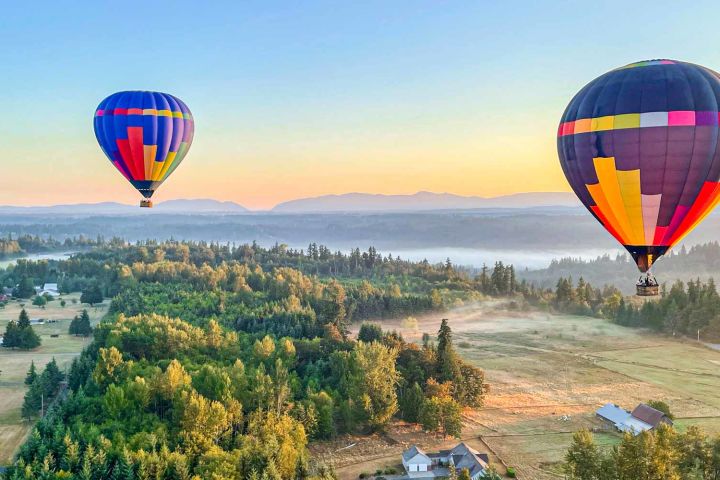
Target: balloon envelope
{"type": "Point", "coordinates": [145, 135]}
{"type": "Point", "coordinates": [639, 146]}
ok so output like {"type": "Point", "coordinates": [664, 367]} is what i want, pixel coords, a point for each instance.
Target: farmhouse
{"type": "Point", "coordinates": [643, 418]}
{"type": "Point", "coordinates": [49, 289]}
{"type": "Point", "coordinates": [419, 464]}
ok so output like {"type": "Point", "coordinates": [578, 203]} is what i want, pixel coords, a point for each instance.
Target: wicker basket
{"type": "Point", "coordinates": [648, 290]}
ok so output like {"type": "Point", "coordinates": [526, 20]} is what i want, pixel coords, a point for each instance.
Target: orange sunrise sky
{"type": "Point", "coordinates": [299, 101]}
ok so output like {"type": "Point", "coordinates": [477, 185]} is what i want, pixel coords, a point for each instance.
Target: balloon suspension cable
{"type": "Point", "coordinates": [146, 203]}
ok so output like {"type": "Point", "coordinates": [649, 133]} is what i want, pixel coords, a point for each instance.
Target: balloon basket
{"type": "Point", "coordinates": [648, 290]}
{"type": "Point", "coordinates": [146, 203]}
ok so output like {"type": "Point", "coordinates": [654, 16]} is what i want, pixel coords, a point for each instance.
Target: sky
{"type": "Point", "coordinates": [299, 99]}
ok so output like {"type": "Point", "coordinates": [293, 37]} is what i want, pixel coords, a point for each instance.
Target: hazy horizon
{"type": "Point", "coordinates": [271, 207]}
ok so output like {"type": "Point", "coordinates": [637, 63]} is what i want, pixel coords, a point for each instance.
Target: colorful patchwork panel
{"type": "Point", "coordinates": [145, 135]}
{"type": "Point", "coordinates": [640, 148]}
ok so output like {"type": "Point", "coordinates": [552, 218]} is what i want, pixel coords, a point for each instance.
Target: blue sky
{"type": "Point", "coordinates": [303, 98]}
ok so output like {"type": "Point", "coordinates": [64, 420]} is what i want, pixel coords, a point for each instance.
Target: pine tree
{"type": "Point", "coordinates": [11, 339]}
{"type": "Point", "coordinates": [411, 403]}
{"type": "Point", "coordinates": [51, 378]}
{"type": "Point", "coordinates": [23, 320]}
{"type": "Point", "coordinates": [448, 368]}
{"type": "Point", "coordinates": [84, 327]}
{"type": "Point", "coordinates": [26, 337]}
{"type": "Point", "coordinates": [32, 374]}
{"type": "Point", "coordinates": [92, 295]}
{"type": "Point", "coordinates": [33, 400]}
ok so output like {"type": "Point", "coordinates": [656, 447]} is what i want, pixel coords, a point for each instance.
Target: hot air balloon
{"type": "Point", "coordinates": [639, 146]}
{"type": "Point", "coordinates": [145, 135]}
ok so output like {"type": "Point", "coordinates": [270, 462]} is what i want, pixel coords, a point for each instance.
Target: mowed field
{"type": "Point", "coordinates": [14, 364]}
{"type": "Point", "coordinates": [549, 373]}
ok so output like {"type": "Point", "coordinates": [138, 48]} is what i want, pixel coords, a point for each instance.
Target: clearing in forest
{"type": "Point", "coordinates": [14, 364]}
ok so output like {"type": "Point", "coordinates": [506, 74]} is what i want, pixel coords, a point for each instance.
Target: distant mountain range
{"type": "Point", "coordinates": [423, 201]}
{"type": "Point", "coordinates": [112, 208]}
{"type": "Point", "coordinates": [349, 202]}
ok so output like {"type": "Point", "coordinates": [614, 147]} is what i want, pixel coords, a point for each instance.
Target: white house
{"type": "Point", "coordinates": [419, 464]}
{"type": "Point", "coordinates": [50, 289]}
{"type": "Point", "coordinates": [415, 460]}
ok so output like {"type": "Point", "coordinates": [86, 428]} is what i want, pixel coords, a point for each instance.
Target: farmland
{"type": "Point", "coordinates": [14, 364]}
{"type": "Point", "coordinates": [547, 375]}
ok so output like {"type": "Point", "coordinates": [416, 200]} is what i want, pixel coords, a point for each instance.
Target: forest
{"type": "Point", "coordinates": [696, 261]}
{"type": "Point", "coordinates": [224, 362]}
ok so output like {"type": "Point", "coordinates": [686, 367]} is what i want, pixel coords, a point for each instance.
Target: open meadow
{"type": "Point", "coordinates": [549, 373]}
{"type": "Point", "coordinates": [14, 364]}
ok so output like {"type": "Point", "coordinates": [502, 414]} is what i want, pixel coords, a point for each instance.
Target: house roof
{"type": "Point", "coordinates": [412, 452]}
{"type": "Point", "coordinates": [463, 449]}
{"type": "Point", "coordinates": [613, 413]}
{"type": "Point", "coordinates": [633, 425]}
{"type": "Point", "coordinates": [649, 415]}
{"type": "Point", "coordinates": [464, 456]}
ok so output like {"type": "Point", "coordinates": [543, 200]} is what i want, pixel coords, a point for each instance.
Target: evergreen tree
{"type": "Point", "coordinates": [24, 289]}
{"type": "Point", "coordinates": [51, 378]}
{"type": "Point", "coordinates": [411, 403]}
{"type": "Point", "coordinates": [26, 337]}
{"type": "Point", "coordinates": [80, 325]}
{"type": "Point", "coordinates": [370, 332]}
{"type": "Point", "coordinates": [11, 338]}
{"type": "Point", "coordinates": [29, 339]}
{"type": "Point", "coordinates": [92, 295]}
{"type": "Point", "coordinates": [447, 363]}
{"type": "Point", "coordinates": [33, 400]}
{"type": "Point", "coordinates": [32, 374]}
{"type": "Point", "coordinates": [23, 320]}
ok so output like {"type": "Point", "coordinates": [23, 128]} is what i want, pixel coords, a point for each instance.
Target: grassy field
{"type": "Point", "coordinates": [548, 373]}
{"type": "Point", "coordinates": [14, 364]}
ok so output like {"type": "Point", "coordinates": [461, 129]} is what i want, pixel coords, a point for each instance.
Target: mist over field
{"type": "Point", "coordinates": [527, 237]}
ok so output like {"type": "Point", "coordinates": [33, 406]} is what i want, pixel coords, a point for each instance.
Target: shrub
{"type": "Point", "coordinates": [390, 471]}
{"type": "Point", "coordinates": [511, 472]}
{"type": "Point", "coordinates": [378, 472]}
{"type": "Point", "coordinates": [364, 475]}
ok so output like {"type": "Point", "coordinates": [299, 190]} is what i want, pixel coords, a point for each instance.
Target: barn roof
{"type": "Point", "coordinates": [613, 413]}
{"type": "Point", "coordinates": [649, 415]}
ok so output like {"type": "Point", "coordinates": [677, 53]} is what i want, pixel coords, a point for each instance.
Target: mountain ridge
{"type": "Point", "coordinates": [347, 202]}
{"type": "Point", "coordinates": [355, 202]}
